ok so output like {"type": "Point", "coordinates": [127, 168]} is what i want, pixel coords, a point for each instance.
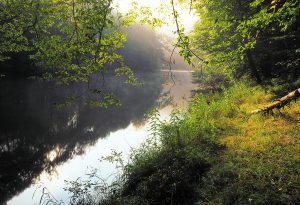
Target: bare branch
{"type": "Point", "coordinates": [170, 63]}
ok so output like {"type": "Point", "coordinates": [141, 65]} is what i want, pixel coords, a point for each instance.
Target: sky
{"type": "Point", "coordinates": [186, 18]}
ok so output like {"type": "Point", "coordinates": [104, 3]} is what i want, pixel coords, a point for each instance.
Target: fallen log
{"type": "Point", "coordinates": [278, 104]}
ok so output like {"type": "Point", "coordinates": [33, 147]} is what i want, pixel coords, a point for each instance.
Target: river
{"type": "Point", "coordinates": [46, 139]}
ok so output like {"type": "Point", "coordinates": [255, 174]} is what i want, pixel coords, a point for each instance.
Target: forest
{"type": "Point", "coordinates": [238, 141]}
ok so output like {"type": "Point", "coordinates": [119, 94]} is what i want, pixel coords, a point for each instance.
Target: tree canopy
{"type": "Point", "coordinates": [67, 40]}
{"type": "Point", "coordinates": [259, 38]}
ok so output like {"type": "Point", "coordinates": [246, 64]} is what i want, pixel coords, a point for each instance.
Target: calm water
{"type": "Point", "coordinates": [42, 144]}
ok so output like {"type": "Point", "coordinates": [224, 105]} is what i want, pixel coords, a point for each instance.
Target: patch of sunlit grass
{"type": "Point", "coordinates": [264, 148]}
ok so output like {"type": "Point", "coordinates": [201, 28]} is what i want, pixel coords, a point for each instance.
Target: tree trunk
{"type": "Point", "coordinates": [278, 104]}
{"type": "Point", "coordinates": [253, 68]}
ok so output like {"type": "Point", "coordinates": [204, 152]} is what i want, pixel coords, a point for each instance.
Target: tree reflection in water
{"type": "Point", "coordinates": [37, 136]}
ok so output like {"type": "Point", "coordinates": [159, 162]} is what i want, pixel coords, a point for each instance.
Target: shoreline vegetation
{"type": "Point", "coordinates": [215, 153]}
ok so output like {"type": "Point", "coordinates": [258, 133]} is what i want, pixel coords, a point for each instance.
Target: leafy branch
{"type": "Point", "coordinates": [183, 40]}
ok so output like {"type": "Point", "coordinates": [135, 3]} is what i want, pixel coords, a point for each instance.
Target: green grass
{"type": "Point", "coordinates": [218, 153]}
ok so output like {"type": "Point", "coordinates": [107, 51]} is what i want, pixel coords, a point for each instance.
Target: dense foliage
{"type": "Point", "coordinates": [258, 38]}
{"type": "Point", "coordinates": [67, 40]}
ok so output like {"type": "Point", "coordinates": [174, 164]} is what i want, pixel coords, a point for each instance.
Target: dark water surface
{"type": "Point", "coordinates": [40, 130]}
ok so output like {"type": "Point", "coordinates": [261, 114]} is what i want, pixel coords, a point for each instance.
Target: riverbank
{"type": "Point", "coordinates": [217, 153]}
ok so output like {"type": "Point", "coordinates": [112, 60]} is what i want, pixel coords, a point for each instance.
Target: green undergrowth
{"type": "Point", "coordinates": [217, 153]}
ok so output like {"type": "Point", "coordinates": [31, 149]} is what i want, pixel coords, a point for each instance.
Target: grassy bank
{"type": "Point", "coordinates": [217, 153]}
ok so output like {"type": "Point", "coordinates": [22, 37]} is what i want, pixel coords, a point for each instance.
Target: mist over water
{"type": "Point", "coordinates": [38, 138]}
